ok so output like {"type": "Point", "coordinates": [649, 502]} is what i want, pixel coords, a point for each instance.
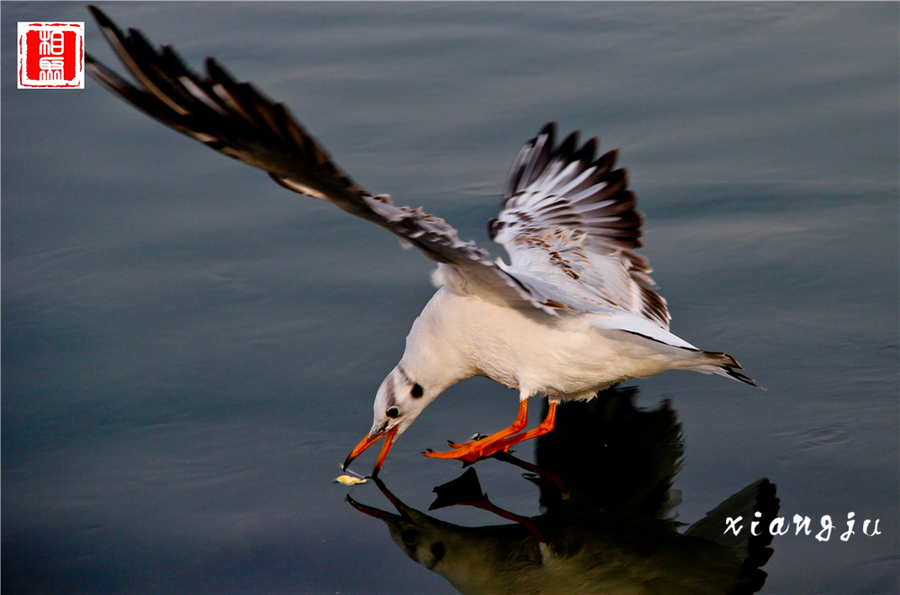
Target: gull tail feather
{"type": "Point", "coordinates": [726, 365]}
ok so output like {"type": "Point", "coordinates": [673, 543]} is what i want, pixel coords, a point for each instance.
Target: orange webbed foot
{"type": "Point", "coordinates": [475, 450]}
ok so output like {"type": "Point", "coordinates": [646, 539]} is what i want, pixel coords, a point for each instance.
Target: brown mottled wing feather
{"type": "Point", "coordinates": [568, 221]}
{"type": "Point", "coordinates": [237, 120]}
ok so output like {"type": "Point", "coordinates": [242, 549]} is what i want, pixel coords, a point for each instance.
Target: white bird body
{"type": "Point", "coordinates": [572, 356]}
{"type": "Point", "coordinates": [574, 311]}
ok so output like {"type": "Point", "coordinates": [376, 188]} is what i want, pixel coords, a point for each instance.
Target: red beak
{"type": "Point", "coordinates": [369, 441]}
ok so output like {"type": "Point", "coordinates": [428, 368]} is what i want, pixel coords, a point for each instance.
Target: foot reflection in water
{"type": "Point", "coordinates": [607, 526]}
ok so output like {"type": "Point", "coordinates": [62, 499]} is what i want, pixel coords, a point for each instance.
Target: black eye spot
{"type": "Point", "coordinates": [409, 537]}
{"type": "Point", "coordinates": [392, 412]}
{"type": "Point", "coordinates": [495, 226]}
{"type": "Point", "coordinates": [438, 551]}
{"type": "Point", "coordinates": [416, 391]}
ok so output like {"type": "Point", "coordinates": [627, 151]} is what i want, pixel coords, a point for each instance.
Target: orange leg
{"type": "Point", "coordinates": [475, 450]}
{"type": "Point", "coordinates": [517, 426]}
{"type": "Point", "coordinates": [545, 428]}
{"type": "Point", "coordinates": [460, 450]}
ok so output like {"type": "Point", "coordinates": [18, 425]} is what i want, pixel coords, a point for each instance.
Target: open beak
{"type": "Point", "coordinates": [375, 512]}
{"type": "Point", "coordinates": [369, 441]}
{"type": "Point", "coordinates": [389, 517]}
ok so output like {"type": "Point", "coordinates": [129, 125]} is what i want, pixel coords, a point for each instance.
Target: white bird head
{"type": "Point", "coordinates": [400, 399]}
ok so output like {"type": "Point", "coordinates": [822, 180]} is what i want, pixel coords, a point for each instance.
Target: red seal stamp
{"type": "Point", "coordinates": [51, 56]}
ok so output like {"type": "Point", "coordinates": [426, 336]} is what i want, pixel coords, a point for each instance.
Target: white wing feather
{"type": "Point", "coordinates": [569, 225]}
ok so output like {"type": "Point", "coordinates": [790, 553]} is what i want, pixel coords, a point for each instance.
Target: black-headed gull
{"type": "Point", "coordinates": [574, 312]}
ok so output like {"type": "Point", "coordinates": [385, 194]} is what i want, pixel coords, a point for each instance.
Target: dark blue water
{"type": "Point", "coordinates": [189, 351]}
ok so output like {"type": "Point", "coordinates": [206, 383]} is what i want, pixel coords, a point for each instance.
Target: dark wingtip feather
{"type": "Point", "coordinates": [740, 376]}
{"type": "Point", "coordinates": [100, 17]}
{"type": "Point", "coordinates": [587, 151]}
{"type": "Point", "coordinates": [567, 147]}
{"type": "Point", "coordinates": [731, 367]}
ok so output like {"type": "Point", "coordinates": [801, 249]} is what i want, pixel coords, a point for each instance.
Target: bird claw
{"type": "Point", "coordinates": [475, 438]}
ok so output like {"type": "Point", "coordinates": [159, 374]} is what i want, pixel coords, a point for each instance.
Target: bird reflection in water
{"type": "Point", "coordinates": [607, 523]}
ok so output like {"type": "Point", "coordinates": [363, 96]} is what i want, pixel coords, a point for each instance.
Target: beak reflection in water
{"type": "Point", "coordinates": [368, 441]}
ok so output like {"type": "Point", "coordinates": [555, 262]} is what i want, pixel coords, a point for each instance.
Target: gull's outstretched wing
{"type": "Point", "coordinates": [569, 225]}
{"type": "Point", "coordinates": [237, 120]}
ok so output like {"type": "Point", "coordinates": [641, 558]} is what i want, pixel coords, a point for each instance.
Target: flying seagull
{"type": "Point", "coordinates": [574, 311]}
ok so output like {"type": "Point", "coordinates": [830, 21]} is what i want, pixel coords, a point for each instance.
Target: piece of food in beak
{"type": "Point", "coordinates": [368, 441]}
